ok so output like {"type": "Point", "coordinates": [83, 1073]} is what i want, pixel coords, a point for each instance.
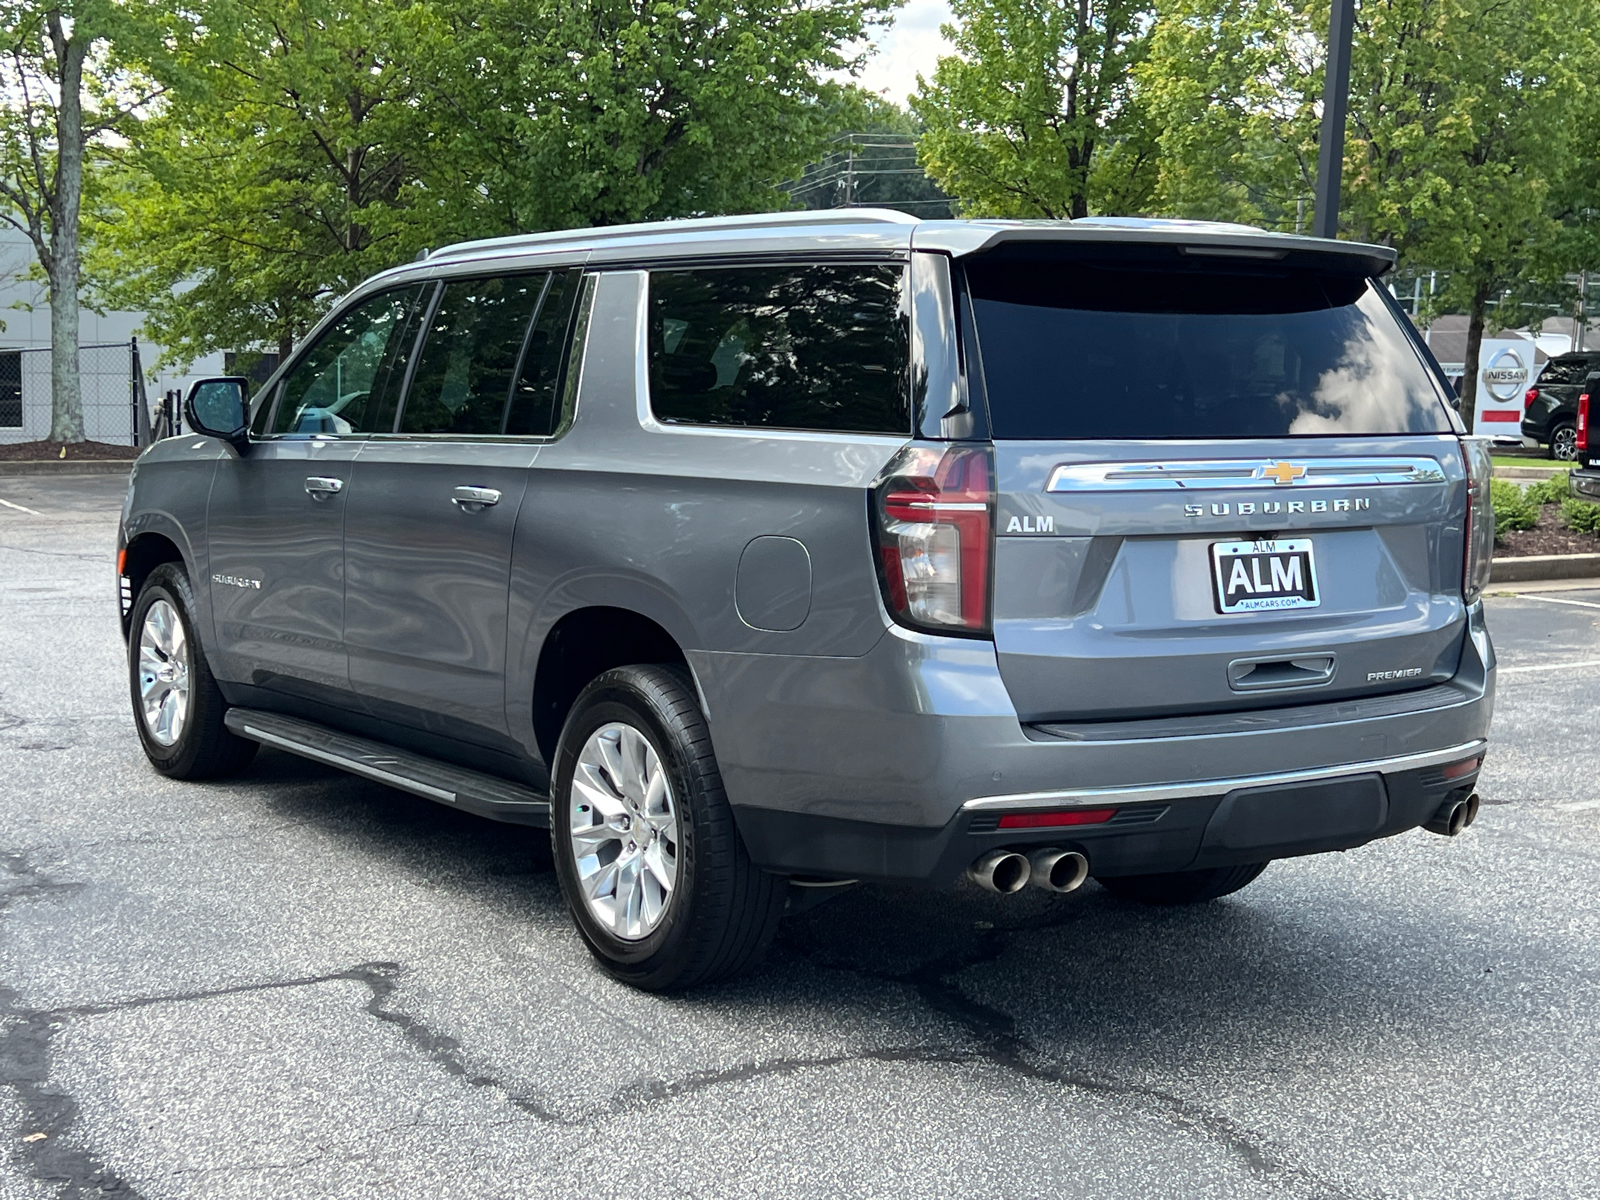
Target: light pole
{"type": "Point", "coordinates": [1335, 102]}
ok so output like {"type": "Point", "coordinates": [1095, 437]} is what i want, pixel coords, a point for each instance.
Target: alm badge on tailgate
{"type": "Point", "coordinates": [1253, 576]}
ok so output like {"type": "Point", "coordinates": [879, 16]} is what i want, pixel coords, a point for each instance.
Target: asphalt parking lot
{"type": "Point", "coordinates": [301, 984]}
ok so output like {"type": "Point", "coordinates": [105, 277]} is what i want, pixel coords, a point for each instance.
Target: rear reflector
{"type": "Point", "coordinates": [1457, 770]}
{"type": "Point", "coordinates": [1049, 820]}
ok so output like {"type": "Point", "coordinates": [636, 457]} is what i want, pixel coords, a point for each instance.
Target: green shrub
{"type": "Point", "coordinates": [1512, 510]}
{"type": "Point", "coordinates": [1549, 491]}
{"type": "Point", "coordinates": [1580, 515]}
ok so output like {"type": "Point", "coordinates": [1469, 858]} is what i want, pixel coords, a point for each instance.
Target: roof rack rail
{"type": "Point", "coordinates": [779, 220]}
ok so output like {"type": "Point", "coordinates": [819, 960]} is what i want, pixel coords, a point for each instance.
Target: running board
{"type": "Point", "coordinates": [459, 787]}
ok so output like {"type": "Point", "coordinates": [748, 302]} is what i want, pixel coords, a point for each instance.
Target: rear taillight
{"type": "Point", "coordinates": [933, 510]}
{"type": "Point", "coordinates": [1528, 398]}
{"type": "Point", "coordinates": [1480, 519]}
{"type": "Point", "coordinates": [1583, 421]}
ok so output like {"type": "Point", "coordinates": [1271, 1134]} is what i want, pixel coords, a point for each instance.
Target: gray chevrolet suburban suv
{"type": "Point", "coordinates": [756, 556]}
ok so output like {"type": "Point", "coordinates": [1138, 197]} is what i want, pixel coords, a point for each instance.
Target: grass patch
{"type": "Point", "coordinates": [1507, 460]}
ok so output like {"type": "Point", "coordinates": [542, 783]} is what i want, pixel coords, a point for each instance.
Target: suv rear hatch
{"type": "Point", "coordinates": [1225, 479]}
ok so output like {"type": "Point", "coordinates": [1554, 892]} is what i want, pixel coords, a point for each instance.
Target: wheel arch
{"type": "Point", "coordinates": [145, 552]}
{"type": "Point", "coordinates": [584, 643]}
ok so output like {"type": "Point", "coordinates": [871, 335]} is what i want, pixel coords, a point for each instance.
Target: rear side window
{"type": "Point", "coordinates": [812, 346]}
{"type": "Point", "coordinates": [1567, 370]}
{"type": "Point", "coordinates": [474, 343]}
{"type": "Point", "coordinates": [533, 409]}
{"type": "Point", "coordinates": [1159, 347]}
{"type": "Point", "coordinates": [349, 381]}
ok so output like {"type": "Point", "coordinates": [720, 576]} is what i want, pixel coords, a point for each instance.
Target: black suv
{"type": "Point", "coordinates": [1550, 409]}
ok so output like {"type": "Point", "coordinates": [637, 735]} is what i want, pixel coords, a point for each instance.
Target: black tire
{"type": "Point", "coordinates": [1183, 887]}
{"type": "Point", "coordinates": [204, 748]}
{"type": "Point", "coordinates": [723, 909]}
{"type": "Point", "coordinates": [1563, 445]}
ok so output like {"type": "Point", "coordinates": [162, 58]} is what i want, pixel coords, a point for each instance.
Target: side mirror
{"type": "Point", "coordinates": [216, 407]}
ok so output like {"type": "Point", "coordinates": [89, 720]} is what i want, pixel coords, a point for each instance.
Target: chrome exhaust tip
{"type": "Point", "coordinates": [1002, 871]}
{"type": "Point", "coordinates": [1057, 870]}
{"type": "Point", "coordinates": [1453, 816]}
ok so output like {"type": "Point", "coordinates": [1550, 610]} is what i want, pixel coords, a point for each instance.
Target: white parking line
{"type": "Point", "coordinates": [22, 508]}
{"type": "Point", "coordinates": [1566, 666]}
{"type": "Point", "coordinates": [1578, 806]}
{"type": "Point", "coordinates": [1557, 600]}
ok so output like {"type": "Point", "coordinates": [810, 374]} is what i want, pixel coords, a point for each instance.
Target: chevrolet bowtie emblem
{"type": "Point", "coordinates": [1282, 472]}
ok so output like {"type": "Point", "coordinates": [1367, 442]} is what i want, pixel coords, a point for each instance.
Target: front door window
{"type": "Point", "coordinates": [349, 381]}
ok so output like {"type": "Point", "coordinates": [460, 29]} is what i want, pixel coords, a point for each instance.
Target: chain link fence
{"type": "Point", "coordinates": [108, 374]}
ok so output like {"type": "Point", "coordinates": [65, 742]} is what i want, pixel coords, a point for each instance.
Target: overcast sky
{"type": "Point", "coordinates": [911, 46]}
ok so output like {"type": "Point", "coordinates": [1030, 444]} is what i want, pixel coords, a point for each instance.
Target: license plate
{"type": "Point", "coordinates": [1254, 576]}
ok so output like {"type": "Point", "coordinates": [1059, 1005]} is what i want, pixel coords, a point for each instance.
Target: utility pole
{"type": "Point", "coordinates": [1582, 320]}
{"type": "Point", "coordinates": [1335, 103]}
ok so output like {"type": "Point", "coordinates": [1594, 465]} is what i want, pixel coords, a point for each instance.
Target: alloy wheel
{"type": "Point", "coordinates": [1564, 445]}
{"type": "Point", "coordinates": [623, 823]}
{"type": "Point", "coordinates": [163, 673]}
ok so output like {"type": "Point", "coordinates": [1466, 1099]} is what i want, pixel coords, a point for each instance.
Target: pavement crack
{"type": "Point", "coordinates": [47, 1111]}
{"type": "Point", "coordinates": [998, 1044]}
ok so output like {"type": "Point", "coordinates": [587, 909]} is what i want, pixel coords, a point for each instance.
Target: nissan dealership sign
{"type": "Point", "coordinates": [1505, 373]}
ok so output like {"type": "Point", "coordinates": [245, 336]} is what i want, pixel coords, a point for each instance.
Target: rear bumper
{"type": "Point", "coordinates": [1585, 484]}
{"type": "Point", "coordinates": [897, 764]}
{"type": "Point", "coordinates": [1187, 832]}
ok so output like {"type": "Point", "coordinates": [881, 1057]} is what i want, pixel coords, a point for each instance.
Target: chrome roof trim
{"type": "Point", "coordinates": [1218, 474]}
{"type": "Point", "coordinates": [1091, 797]}
{"type": "Point", "coordinates": [843, 229]}
{"type": "Point", "coordinates": [663, 234]}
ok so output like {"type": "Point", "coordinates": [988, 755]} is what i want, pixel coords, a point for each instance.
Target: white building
{"type": "Point", "coordinates": [104, 361]}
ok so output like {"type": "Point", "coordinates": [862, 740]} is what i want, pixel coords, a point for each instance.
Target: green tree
{"type": "Point", "coordinates": [1037, 93]}
{"type": "Point", "coordinates": [1463, 118]}
{"type": "Point", "coordinates": [69, 77]}
{"type": "Point", "coordinates": [312, 142]}
{"type": "Point", "coordinates": [1461, 128]}
{"type": "Point", "coordinates": [1233, 87]}
{"type": "Point", "coordinates": [291, 161]}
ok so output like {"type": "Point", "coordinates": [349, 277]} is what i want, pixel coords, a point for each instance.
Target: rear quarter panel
{"type": "Point", "coordinates": [625, 512]}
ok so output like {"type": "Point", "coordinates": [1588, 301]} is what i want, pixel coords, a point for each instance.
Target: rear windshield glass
{"type": "Point", "coordinates": [1145, 348]}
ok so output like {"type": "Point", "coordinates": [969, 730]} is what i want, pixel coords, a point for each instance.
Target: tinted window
{"type": "Point", "coordinates": [787, 347]}
{"type": "Point", "coordinates": [350, 379]}
{"type": "Point", "coordinates": [1152, 348]}
{"type": "Point", "coordinates": [474, 339]}
{"type": "Point", "coordinates": [1573, 369]}
{"type": "Point", "coordinates": [533, 401]}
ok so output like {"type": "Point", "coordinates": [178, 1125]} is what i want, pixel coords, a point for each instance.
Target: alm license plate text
{"type": "Point", "coordinates": [1254, 576]}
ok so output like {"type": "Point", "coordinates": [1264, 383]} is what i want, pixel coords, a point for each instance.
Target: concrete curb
{"type": "Point", "coordinates": [1528, 473]}
{"type": "Point", "coordinates": [1544, 566]}
{"type": "Point", "coordinates": [67, 466]}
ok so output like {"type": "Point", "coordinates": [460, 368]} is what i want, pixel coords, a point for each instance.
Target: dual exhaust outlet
{"type": "Point", "coordinates": [1453, 816]}
{"type": "Point", "coordinates": [1008, 871]}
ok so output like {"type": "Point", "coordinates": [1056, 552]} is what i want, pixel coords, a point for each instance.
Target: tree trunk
{"type": "Point", "coordinates": [66, 392]}
{"type": "Point", "coordinates": [1469, 370]}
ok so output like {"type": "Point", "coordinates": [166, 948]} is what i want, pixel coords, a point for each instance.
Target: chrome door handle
{"type": "Point", "coordinates": [320, 488]}
{"type": "Point", "coordinates": [474, 499]}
